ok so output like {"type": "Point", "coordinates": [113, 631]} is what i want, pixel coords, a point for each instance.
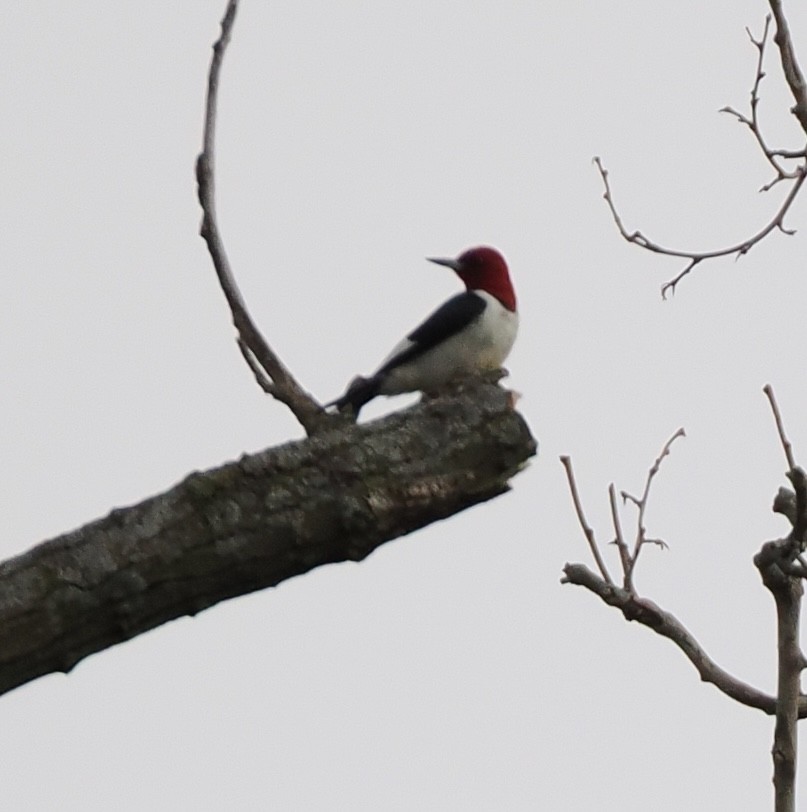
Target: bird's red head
{"type": "Point", "coordinates": [484, 268]}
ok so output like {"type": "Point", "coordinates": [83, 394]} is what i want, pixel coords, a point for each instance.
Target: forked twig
{"type": "Point", "coordinates": [795, 176]}
{"type": "Point", "coordinates": [696, 257]}
{"type": "Point", "coordinates": [667, 625]}
{"type": "Point", "coordinates": [641, 504]}
{"type": "Point", "coordinates": [776, 564]}
{"type": "Point", "coordinates": [627, 558]}
{"type": "Point", "coordinates": [270, 372]}
{"type": "Point", "coordinates": [752, 122]}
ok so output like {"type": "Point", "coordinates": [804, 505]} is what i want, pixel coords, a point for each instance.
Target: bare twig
{"type": "Point", "coordinates": [795, 176]}
{"type": "Point", "coordinates": [771, 155]}
{"type": "Point", "coordinates": [788, 449]}
{"type": "Point", "coordinates": [641, 504]}
{"type": "Point", "coordinates": [627, 559]}
{"type": "Point", "coordinates": [696, 257]}
{"type": "Point", "coordinates": [790, 65]}
{"type": "Point", "coordinates": [619, 540]}
{"type": "Point", "coordinates": [587, 531]}
{"type": "Point", "coordinates": [274, 376]}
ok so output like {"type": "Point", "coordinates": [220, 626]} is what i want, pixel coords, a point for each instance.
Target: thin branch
{"type": "Point", "coordinates": [619, 540]}
{"type": "Point", "coordinates": [263, 380]}
{"type": "Point", "coordinates": [788, 449]}
{"type": "Point", "coordinates": [753, 124]}
{"type": "Point", "coordinates": [796, 176]}
{"type": "Point", "coordinates": [667, 625]}
{"type": "Point", "coordinates": [696, 257]}
{"type": "Point", "coordinates": [284, 387]}
{"type": "Point", "coordinates": [587, 531]}
{"type": "Point", "coordinates": [654, 469]}
{"type": "Point", "coordinates": [790, 65]}
{"type": "Point", "coordinates": [641, 504]}
{"type": "Point", "coordinates": [790, 153]}
{"type": "Point", "coordinates": [627, 558]}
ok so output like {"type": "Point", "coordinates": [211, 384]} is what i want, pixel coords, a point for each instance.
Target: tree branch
{"type": "Point", "coordinates": [641, 504]}
{"type": "Point", "coordinates": [797, 176]}
{"type": "Point", "coordinates": [774, 561]}
{"type": "Point", "coordinates": [790, 65]}
{"type": "Point", "coordinates": [782, 568]}
{"type": "Point", "coordinates": [696, 257]}
{"type": "Point", "coordinates": [619, 540]}
{"type": "Point", "coordinates": [753, 124]}
{"type": "Point", "coordinates": [788, 449]}
{"type": "Point", "coordinates": [253, 523]}
{"type": "Point", "coordinates": [586, 527]}
{"type": "Point", "coordinates": [667, 625]}
{"type": "Point", "coordinates": [270, 372]}
{"type": "Point", "coordinates": [626, 558]}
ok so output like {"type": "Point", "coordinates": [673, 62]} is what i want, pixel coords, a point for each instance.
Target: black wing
{"type": "Point", "coordinates": [457, 313]}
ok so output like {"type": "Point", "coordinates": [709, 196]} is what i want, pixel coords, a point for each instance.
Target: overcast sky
{"type": "Point", "coordinates": [451, 670]}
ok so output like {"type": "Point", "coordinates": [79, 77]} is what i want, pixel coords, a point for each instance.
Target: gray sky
{"type": "Point", "coordinates": [450, 670]}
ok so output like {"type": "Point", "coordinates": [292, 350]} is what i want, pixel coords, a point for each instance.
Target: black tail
{"type": "Point", "coordinates": [360, 391]}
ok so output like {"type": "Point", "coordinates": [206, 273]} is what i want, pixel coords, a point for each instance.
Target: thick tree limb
{"type": "Point", "coordinates": [667, 625]}
{"type": "Point", "coordinates": [774, 561]}
{"type": "Point", "coordinates": [253, 523]}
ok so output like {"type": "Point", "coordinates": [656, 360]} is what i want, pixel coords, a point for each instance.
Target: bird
{"type": "Point", "coordinates": [471, 333]}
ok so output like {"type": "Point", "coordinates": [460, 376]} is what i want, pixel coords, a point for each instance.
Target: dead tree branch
{"type": "Point", "coordinates": [774, 562]}
{"type": "Point", "coordinates": [627, 559]}
{"type": "Point", "coordinates": [780, 429]}
{"type": "Point", "coordinates": [775, 157]}
{"type": "Point", "coordinates": [270, 372]}
{"type": "Point", "coordinates": [252, 524]}
{"type": "Point", "coordinates": [781, 569]}
{"type": "Point", "coordinates": [790, 65]}
{"type": "Point", "coordinates": [696, 257]}
{"type": "Point", "coordinates": [667, 625]}
{"type": "Point", "coordinates": [586, 527]}
{"type": "Point", "coordinates": [641, 504]}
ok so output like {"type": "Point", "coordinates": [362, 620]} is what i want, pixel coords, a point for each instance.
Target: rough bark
{"type": "Point", "coordinates": [253, 523]}
{"type": "Point", "coordinates": [781, 565]}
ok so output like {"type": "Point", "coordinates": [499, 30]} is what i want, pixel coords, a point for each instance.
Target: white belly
{"type": "Point", "coordinates": [482, 346]}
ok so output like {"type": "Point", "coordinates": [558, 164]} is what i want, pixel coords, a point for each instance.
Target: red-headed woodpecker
{"type": "Point", "coordinates": [471, 333]}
